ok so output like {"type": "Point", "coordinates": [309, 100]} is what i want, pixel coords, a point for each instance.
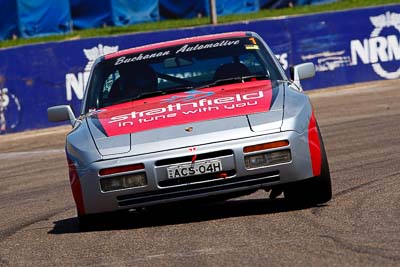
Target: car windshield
{"type": "Point", "coordinates": [179, 68]}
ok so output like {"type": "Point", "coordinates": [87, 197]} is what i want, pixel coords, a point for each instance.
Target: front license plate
{"type": "Point", "coordinates": [201, 167]}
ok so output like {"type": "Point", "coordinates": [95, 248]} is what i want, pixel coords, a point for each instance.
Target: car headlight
{"type": "Point", "coordinates": [123, 182]}
{"type": "Point", "coordinates": [266, 158]}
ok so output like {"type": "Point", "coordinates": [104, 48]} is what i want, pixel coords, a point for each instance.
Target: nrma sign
{"type": "Point", "coordinates": [381, 47]}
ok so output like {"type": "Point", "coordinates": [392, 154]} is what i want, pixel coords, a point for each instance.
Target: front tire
{"type": "Point", "coordinates": [313, 191]}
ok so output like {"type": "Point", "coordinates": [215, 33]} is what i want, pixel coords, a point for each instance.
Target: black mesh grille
{"type": "Point", "coordinates": [196, 178]}
{"type": "Point", "coordinates": [194, 189]}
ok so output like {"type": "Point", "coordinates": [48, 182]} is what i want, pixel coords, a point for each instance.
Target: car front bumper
{"type": "Point", "coordinates": [160, 189]}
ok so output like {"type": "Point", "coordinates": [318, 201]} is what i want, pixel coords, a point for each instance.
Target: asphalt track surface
{"type": "Point", "coordinates": [359, 227]}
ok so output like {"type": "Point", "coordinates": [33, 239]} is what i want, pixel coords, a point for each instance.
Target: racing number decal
{"type": "Point", "coordinates": [253, 45]}
{"type": "Point", "coordinates": [253, 40]}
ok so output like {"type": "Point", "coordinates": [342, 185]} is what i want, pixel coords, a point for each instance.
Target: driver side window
{"type": "Point", "coordinates": [111, 80]}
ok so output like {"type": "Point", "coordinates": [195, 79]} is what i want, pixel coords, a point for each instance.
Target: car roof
{"type": "Point", "coordinates": [177, 42]}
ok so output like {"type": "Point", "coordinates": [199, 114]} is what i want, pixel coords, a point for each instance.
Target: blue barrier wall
{"type": "Point", "coordinates": [93, 13]}
{"type": "Point", "coordinates": [31, 18]}
{"type": "Point", "coordinates": [192, 9]}
{"type": "Point", "coordinates": [27, 18]}
{"type": "Point", "coordinates": [365, 48]}
{"type": "Point", "coordinates": [8, 19]}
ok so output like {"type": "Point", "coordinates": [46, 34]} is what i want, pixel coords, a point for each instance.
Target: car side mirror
{"type": "Point", "coordinates": [61, 113]}
{"type": "Point", "coordinates": [301, 72]}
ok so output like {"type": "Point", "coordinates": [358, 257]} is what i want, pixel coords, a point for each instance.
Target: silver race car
{"type": "Point", "coordinates": [203, 117]}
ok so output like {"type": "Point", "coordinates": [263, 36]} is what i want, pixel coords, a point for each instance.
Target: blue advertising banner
{"type": "Point", "coordinates": [365, 48]}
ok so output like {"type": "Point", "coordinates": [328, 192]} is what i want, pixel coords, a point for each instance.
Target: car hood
{"type": "Point", "coordinates": [188, 118]}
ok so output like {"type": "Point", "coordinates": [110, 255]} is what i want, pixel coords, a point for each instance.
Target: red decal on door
{"type": "Point", "coordinates": [76, 187]}
{"type": "Point", "coordinates": [315, 146]}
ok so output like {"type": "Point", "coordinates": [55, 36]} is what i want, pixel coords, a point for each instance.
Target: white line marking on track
{"type": "Point", "coordinates": [24, 154]}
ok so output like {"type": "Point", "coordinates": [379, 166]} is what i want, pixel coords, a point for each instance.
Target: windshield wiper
{"type": "Point", "coordinates": [161, 92]}
{"type": "Point", "coordinates": [235, 79]}
{"type": "Point", "coordinates": [150, 94]}
{"type": "Point", "coordinates": [140, 96]}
